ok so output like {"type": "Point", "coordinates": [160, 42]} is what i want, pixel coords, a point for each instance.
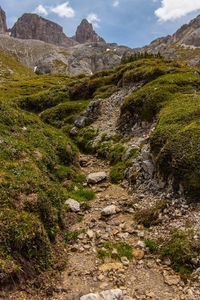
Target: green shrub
{"type": "Point", "coordinates": [81, 195]}
{"type": "Point", "coordinates": [153, 247]}
{"type": "Point", "coordinates": [117, 173]}
{"type": "Point", "coordinates": [84, 139]}
{"type": "Point", "coordinates": [181, 249]}
{"type": "Point", "coordinates": [150, 216]}
{"type": "Point", "coordinates": [116, 154]}
{"type": "Point", "coordinates": [63, 172]}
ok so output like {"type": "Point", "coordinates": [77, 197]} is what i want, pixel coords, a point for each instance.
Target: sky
{"type": "Point", "coordinates": [133, 23]}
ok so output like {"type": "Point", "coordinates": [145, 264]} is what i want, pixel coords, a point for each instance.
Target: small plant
{"type": "Point", "coordinates": [116, 154]}
{"type": "Point", "coordinates": [85, 138]}
{"type": "Point", "coordinates": [122, 250]}
{"type": "Point", "coordinates": [117, 173]}
{"type": "Point", "coordinates": [150, 216]}
{"type": "Point", "coordinates": [81, 195]}
{"type": "Point", "coordinates": [71, 236]}
{"type": "Point", "coordinates": [153, 247]}
{"type": "Point", "coordinates": [181, 249]}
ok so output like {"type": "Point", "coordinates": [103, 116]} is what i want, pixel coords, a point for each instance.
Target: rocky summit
{"type": "Point", "coordinates": [86, 34]}
{"type": "Point", "coordinates": [3, 26]}
{"type": "Point", "coordinates": [32, 26]}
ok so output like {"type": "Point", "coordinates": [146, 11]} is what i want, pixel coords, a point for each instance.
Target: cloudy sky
{"type": "Point", "coordinates": [133, 23]}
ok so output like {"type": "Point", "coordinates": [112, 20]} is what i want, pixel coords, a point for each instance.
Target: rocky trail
{"type": "Point", "coordinates": [110, 219]}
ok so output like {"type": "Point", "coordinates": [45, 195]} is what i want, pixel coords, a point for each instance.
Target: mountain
{"type": "Point", "coordinates": [86, 34]}
{"type": "Point", "coordinates": [82, 58]}
{"type": "Point", "coordinates": [183, 45]}
{"type": "Point", "coordinates": [3, 26]}
{"type": "Point", "coordinates": [32, 26]}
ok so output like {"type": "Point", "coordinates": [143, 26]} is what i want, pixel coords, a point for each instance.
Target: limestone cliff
{"type": "Point", "coordinates": [32, 26]}
{"type": "Point", "coordinates": [3, 26]}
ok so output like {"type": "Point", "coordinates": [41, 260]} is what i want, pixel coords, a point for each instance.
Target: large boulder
{"type": "Point", "coordinates": [96, 177]}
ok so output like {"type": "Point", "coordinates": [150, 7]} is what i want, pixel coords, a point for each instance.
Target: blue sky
{"type": "Point", "coordinates": [133, 23]}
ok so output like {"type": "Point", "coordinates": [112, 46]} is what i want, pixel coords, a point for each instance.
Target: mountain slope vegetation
{"type": "Point", "coordinates": [38, 155]}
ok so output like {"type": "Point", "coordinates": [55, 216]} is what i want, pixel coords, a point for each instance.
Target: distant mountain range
{"type": "Point", "coordinates": [40, 43]}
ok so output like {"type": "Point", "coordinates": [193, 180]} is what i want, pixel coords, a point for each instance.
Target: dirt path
{"type": "Point", "coordinates": [143, 277]}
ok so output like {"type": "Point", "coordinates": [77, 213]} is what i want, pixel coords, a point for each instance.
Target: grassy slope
{"type": "Point", "coordinates": [174, 100]}
{"type": "Point", "coordinates": [32, 196]}
{"type": "Point", "coordinates": [36, 157]}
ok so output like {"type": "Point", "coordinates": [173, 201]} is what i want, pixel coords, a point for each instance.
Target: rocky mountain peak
{"type": "Point", "coordinates": [86, 34]}
{"type": "Point", "coordinates": [32, 26]}
{"type": "Point", "coordinates": [3, 26]}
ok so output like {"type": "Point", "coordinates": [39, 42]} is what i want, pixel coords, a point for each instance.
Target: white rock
{"type": "Point", "coordinates": [96, 177]}
{"type": "Point", "coordinates": [73, 205]}
{"type": "Point", "coordinates": [112, 295]}
{"type": "Point", "coordinates": [110, 210]}
{"type": "Point", "coordinates": [140, 245]}
{"type": "Point", "coordinates": [106, 295]}
{"type": "Point", "coordinates": [90, 234]}
{"type": "Point", "coordinates": [91, 297]}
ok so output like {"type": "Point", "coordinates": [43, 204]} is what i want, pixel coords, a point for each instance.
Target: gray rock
{"type": "Point", "coordinates": [73, 205]}
{"type": "Point", "coordinates": [96, 177]}
{"type": "Point", "coordinates": [80, 121]}
{"type": "Point", "coordinates": [110, 210]}
{"type": "Point", "coordinates": [74, 131]}
{"type": "Point", "coordinates": [148, 167]}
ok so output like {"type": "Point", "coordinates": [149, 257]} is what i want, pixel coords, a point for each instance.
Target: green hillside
{"type": "Point", "coordinates": [38, 156]}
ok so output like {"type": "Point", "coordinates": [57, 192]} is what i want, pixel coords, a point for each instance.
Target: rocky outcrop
{"type": "Point", "coordinates": [86, 34]}
{"type": "Point", "coordinates": [32, 26]}
{"type": "Point", "coordinates": [3, 26]}
{"type": "Point", "coordinates": [49, 58]}
{"type": "Point", "coordinates": [188, 34]}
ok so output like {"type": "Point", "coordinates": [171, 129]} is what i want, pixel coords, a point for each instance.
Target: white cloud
{"type": "Point", "coordinates": [173, 9]}
{"type": "Point", "coordinates": [63, 10]}
{"type": "Point", "coordinates": [94, 19]}
{"type": "Point", "coordinates": [116, 3]}
{"type": "Point", "coordinates": [41, 10]}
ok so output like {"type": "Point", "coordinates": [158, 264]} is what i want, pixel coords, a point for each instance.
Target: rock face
{"type": "Point", "coordinates": [3, 26]}
{"type": "Point", "coordinates": [86, 34]}
{"type": "Point", "coordinates": [32, 26]}
{"type": "Point", "coordinates": [186, 37]}
{"type": "Point", "coordinates": [188, 34]}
